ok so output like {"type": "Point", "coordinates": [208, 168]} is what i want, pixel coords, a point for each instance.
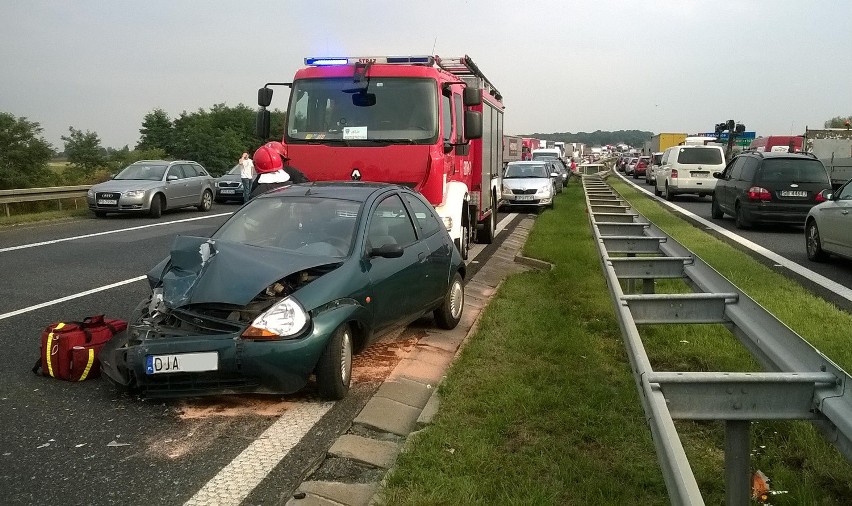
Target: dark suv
{"type": "Point", "coordinates": [769, 188]}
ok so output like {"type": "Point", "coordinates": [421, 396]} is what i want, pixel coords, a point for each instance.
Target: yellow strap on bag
{"type": "Point", "coordinates": [49, 348]}
{"type": "Point", "coordinates": [88, 365]}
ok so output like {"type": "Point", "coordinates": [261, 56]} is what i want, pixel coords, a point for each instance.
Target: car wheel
{"type": "Point", "coordinates": [206, 201]}
{"type": "Point", "coordinates": [334, 369]}
{"type": "Point", "coordinates": [813, 244]}
{"type": "Point", "coordinates": [449, 314]}
{"type": "Point", "coordinates": [486, 233]}
{"type": "Point", "coordinates": [463, 243]}
{"type": "Point", "coordinates": [656, 191]}
{"type": "Point", "coordinates": [100, 214]}
{"type": "Point", "coordinates": [715, 211]}
{"type": "Point", "coordinates": [739, 219]}
{"type": "Point", "coordinates": [667, 194]}
{"type": "Point", "coordinates": [157, 205]}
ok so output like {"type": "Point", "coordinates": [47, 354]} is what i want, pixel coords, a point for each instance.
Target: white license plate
{"type": "Point", "coordinates": [793, 193]}
{"type": "Point", "coordinates": [182, 362]}
{"type": "Point", "coordinates": [226, 192]}
{"type": "Point", "coordinates": [700, 174]}
{"type": "Point", "coordinates": [107, 202]}
{"type": "Point", "coordinates": [524, 197]}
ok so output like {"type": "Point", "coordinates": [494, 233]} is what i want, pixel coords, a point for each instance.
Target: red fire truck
{"type": "Point", "coordinates": [430, 123]}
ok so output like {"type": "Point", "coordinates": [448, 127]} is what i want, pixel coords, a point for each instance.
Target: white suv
{"type": "Point", "coordinates": [689, 169]}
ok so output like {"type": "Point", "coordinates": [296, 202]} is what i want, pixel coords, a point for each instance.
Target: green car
{"type": "Point", "coordinates": [293, 284]}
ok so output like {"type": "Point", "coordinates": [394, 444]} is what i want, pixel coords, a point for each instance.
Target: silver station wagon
{"type": "Point", "coordinates": [151, 187]}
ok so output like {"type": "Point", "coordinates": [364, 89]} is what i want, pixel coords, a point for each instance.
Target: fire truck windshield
{"type": "Point", "coordinates": [330, 109]}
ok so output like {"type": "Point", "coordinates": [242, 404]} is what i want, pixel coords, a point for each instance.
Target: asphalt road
{"type": "Point", "coordinates": [787, 241]}
{"type": "Point", "coordinates": [86, 443]}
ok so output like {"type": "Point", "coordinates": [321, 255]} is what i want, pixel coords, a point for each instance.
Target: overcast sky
{"type": "Point", "coordinates": [561, 65]}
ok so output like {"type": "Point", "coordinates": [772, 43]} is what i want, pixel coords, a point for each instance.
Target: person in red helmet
{"type": "Point", "coordinates": [272, 169]}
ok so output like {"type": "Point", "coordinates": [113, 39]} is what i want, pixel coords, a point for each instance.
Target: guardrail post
{"type": "Point", "coordinates": [737, 462]}
{"type": "Point", "coordinates": [7, 209]}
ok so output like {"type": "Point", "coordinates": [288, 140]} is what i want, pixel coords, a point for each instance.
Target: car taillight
{"type": "Point", "coordinates": [820, 197]}
{"type": "Point", "coordinates": [674, 173]}
{"type": "Point", "coordinates": [759, 193]}
{"type": "Point", "coordinates": [641, 165]}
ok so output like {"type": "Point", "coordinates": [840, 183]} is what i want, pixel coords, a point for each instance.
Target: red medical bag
{"type": "Point", "coordinates": [69, 350]}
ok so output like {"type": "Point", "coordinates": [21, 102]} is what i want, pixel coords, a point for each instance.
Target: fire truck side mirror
{"type": "Point", "coordinates": [264, 96]}
{"type": "Point", "coordinates": [262, 126]}
{"type": "Point", "coordinates": [472, 124]}
{"type": "Point", "coordinates": [472, 96]}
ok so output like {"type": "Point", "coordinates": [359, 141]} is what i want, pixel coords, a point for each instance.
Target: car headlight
{"type": "Point", "coordinates": [285, 319]}
{"type": "Point", "coordinates": [90, 193]}
{"type": "Point", "coordinates": [134, 193]}
{"type": "Point", "coordinates": [507, 190]}
{"type": "Point", "coordinates": [545, 190]}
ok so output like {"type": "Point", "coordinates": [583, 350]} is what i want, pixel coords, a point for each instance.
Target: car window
{"type": "Point", "coordinates": [658, 159]}
{"type": "Point", "coordinates": [737, 167]}
{"type": "Point", "coordinates": [147, 172]}
{"type": "Point", "coordinates": [189, 170]}
{"type": "Point", "coordinates": [749, 168]}
{"type": "Point", "coordinates": [390, 224]}
{"type": "Point", "coordinates": [793, 170]}
{"type": "Point", "coordinates": [845, 193]}
{"type": "Point", "coordinates": [429, 224]}
{"type": "Point", "coordinates": [447, 117]}
{"type": "Point", "coordinates": [699, 155]}
{"type": "Point", "coordinates": [525, 170]}
{"type": "Point", "coordinates": [175, 170]}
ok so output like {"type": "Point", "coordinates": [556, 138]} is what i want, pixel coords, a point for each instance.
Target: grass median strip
{"type": "Point", "coordinates": [541, 407]}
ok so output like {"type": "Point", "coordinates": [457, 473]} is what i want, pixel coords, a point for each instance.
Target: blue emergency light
{"type": "Point", "coordinates": [352, 60]}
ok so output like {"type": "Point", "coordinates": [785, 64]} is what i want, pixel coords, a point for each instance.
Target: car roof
{"type": "Point", "coordinates": [347, 190]}
{"type": "Point", "coordinates": [779, 154]}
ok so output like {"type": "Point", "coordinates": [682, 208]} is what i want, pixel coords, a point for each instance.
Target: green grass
{"type": "Point", "coordinates": [19, 218]}
{"type": "Point", "coordinates": [541, 407]}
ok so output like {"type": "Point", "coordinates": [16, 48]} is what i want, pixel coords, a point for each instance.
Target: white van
{"type": "Point", "coordinates": [689, 169]}
{"type": "Point", "coordinates": [547, 154]}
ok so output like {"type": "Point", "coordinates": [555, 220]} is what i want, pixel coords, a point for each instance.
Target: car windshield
{"type": "Point", "coordinates": [330, 110]}
{"type": "Point", "coordinates": [544, 156]}
{"type": "Point", "coordinates": [235, 171]}
{"type": "Point", "coordinates": [793, 171]}
{"type": "Point", "coordinates": [147, 172]}
{"type": "Point", "coordinates": [709, 156]}
{"type": "Point", "coordinates": [525, 170]}
{"type": "Point", "coordinates": [304, 225]}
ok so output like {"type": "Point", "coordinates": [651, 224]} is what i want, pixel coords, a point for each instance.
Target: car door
{"type": "Point", "coordinates": [437, 249]}
{"type": "Point", "coordinates": [835, 222]}
{"type": "Point", "coordinates": [174, 187]}
{"type": "Point", "coordinates": [723, 191]}
{"type": "Point", "coordinates": [194, 184]}
{"type": "Point", "coordinates": [395, 282]}
{"type": "Point", "coordinates": [662, 172]}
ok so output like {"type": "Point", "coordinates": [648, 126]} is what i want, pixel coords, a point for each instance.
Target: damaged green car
{"type": "Point", "coordinates": [290, 286]}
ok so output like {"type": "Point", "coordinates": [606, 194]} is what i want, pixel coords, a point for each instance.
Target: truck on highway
{"type": "Point", "coordinates": [429, 123]}
{"type": "Point", "coordinates": [663, 141]}
{"type": "Point", "coordinates": [833, 146]}
{"type": "Point", "coordinates": [528, 146]}
{"type": "Point", "coordinates": [778, 143]}
{"type": "Point", "coordinates": [512, 148]}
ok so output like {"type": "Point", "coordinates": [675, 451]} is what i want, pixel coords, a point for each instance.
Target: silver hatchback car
{"type": "Point", "coordinates": [152, 186]}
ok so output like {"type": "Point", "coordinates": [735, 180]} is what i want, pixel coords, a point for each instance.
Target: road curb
{"type": "Point", "coordinates": [401, 405]}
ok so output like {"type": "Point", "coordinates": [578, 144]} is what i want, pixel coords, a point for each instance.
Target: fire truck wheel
{"type": "Point", "coordinates": [485, 235]}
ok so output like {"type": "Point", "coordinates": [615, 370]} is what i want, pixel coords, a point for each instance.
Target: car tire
{"type": "Point", "coordinates": [813, 245]}
{"type": "Point", "coordinates": [100, 214]}
{"type": "Point", "coordinates": [715, 211]}
{"type": "Point", "coordinates": [739, 219]}
{"type": "Point", "coordinates": [667, 193]}
{"type": "Point", "coordinates": [334, 369]}
{"type": "Point", "coordinates": [485, 235]}
{"type": "Point", "coordinates": [449, 314]}
{"type": "Point", "coordinates": [157, 205]}
{"type": "Point", "coordinates": [206, 201]}
{"type": "Point", "coordinates": [657, 192]}
{"type": "Point", "coordinates": [463, 243]}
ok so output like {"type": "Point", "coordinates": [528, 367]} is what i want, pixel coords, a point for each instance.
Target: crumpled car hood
{"type": "Point", "coordinates": [202, 270]}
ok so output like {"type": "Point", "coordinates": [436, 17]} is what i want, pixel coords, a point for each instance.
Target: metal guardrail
{"type": "Point", "coordinates": [801, 383]}
{"type": "Point", "coordinates": [38, 194]}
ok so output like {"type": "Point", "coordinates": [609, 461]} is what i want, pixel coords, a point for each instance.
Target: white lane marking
{"type": "Point", "coordinates": [236, 480]}
{"type": "Point", "coordinates": [70, 297]}
{"type": "Point", "coordinates": [803, 271]}
{"type": "Point", "coordinates": [86, 236]}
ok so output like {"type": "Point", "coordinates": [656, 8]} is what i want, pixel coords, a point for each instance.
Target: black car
{"type": "Point", "coordinates": [766, 187]}
{"type": "Point", "coordinates": [229, 187]}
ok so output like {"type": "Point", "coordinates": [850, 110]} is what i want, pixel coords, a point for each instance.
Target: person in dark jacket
{"type": "Point", "coordinates": [270, 163]}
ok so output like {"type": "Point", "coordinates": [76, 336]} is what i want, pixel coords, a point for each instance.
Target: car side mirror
{"type": "Point", "coordinates": [264, 96]}
{"type": "Point", "coordinates": [719, 175]}
{"type": "Point", "coordinates": [387, 251]}
{"type": "Point", "coordinates": [171, 177]}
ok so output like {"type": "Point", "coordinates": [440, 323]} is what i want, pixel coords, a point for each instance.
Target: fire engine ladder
{"type": "Point", "coordinates": [464, 67]}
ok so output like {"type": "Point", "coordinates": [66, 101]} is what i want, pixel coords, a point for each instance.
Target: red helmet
{"type": "Point", "coordinates": [266, 159]}
{"type": "Point", "coordinates": [278, 148]}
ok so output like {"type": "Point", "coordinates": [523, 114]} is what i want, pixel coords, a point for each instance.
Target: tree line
{"type": "Point", "coordinates": [215, 138]}
{"type": "Point", "coordinates": [598, 137]}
